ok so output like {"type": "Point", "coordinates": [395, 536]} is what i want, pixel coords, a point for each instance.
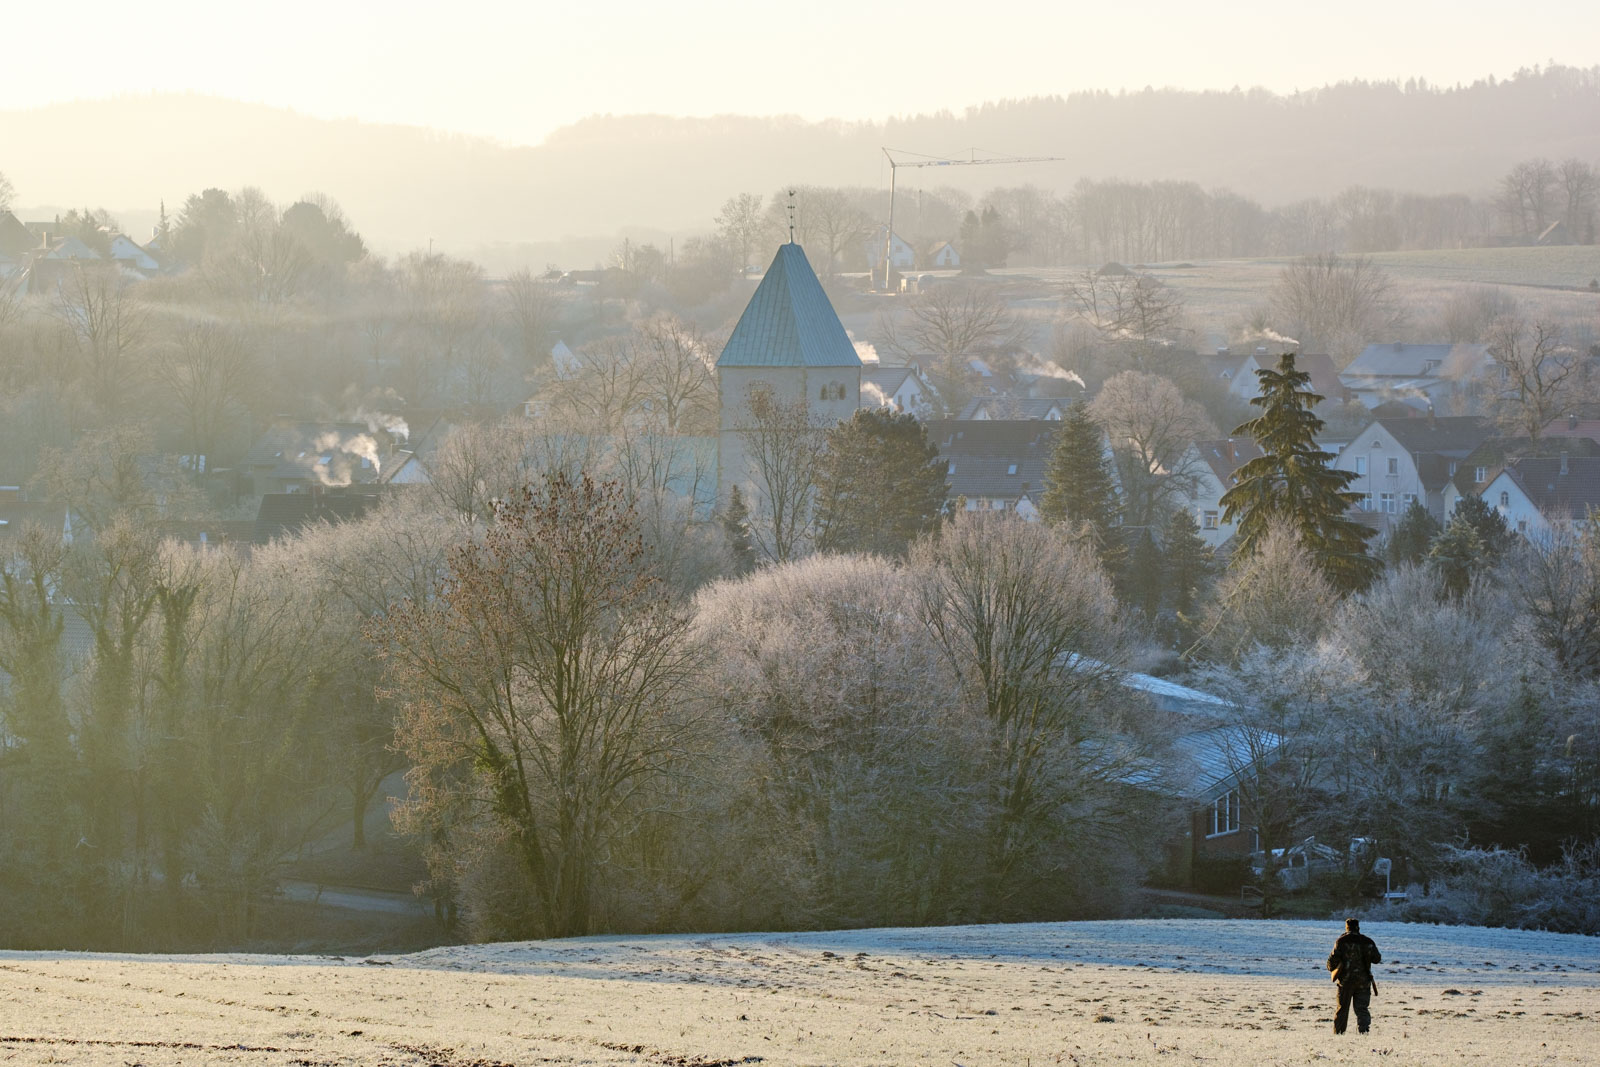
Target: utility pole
{"type": "Point", "coordinates": [972, 160]}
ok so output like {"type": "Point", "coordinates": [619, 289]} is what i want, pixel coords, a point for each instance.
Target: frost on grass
{"type": "Point", "coordinates": [1127, 992]}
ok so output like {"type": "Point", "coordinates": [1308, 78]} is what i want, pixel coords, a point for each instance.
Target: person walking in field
{"type": "Point", "coordinates": [1351, 963]}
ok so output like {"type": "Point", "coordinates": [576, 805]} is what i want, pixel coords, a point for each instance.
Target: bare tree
{"type": "Point", "coordinates": [1558, 588]}
{"type": "Point", "coordinates": [533, 311]}
{"type": "Point", "coordinates": [1467, 314]}
{"type": "Point", "coordinates": [1134, 307]}
{"type": "Point", "coordinates": [1151, 426]}
{"type": "Point", "coordinates": [442, 308]}
{"type": "Point", "coordinates": [480, 463]}
{"type": "Point", "coordinates": [108, 328]}
{"type": "Point", "coordinates": [740, 224]}
{"type": "Point", "coordinates": [676, 376]}
{"type": "Point", "coordinates": [1580, 188]}
{"type": "Point", "coordinates": [952, 322]}
{"type": "Point", "coordinates": [539, 686]}
{"type": "Point", "coordinates": [1541, 377]}
{"type": "Point", "coordinates": [1029, 626]}
{"type": "Point", "coordinates": [607, 389]}
{"type": "Point", "coordinates": [206, 371]}
{"type": "Point", "coordinates": [783, 449]}
{"type": "Point", "coordinates": [1338, 303]}
{"type": "Point", "coordinates": [7, 192]}
{"type": "Point", "coordinates": [1528, 196]}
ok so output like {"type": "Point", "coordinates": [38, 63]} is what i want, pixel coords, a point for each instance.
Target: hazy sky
{"type": "Point", "coordinates": [517, 70]}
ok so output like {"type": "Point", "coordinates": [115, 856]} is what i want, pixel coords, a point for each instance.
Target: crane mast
{"type": "Point", "coordinates": [936, 161]}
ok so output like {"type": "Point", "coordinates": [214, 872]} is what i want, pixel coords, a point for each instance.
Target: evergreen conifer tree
{"type": "Point", "coordinates": [736, 527]}
{"type": "Point", "coordinates": [1412, 535]}
{"type": "Point", "coordinates": [1189, 562]}
{"type": "Point", "coordinates": [1078, 484]}
{"type": "Point", "coordinates": [1487, 523]}
{"type": "Point", "coordinates": [880, 484]}
{"type": "Point", "coordinates": [1459, 555]}
{"type": "Point", "coordinates": [1291, 482]}
{"type": "Point", "coordinates": [1146, 569]}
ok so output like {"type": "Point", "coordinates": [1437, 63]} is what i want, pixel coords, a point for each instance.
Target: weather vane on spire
{"type": "Point", "coordinates": [791, 216]}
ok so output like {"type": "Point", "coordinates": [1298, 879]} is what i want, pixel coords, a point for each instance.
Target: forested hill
{"type": "Point", "coordinates": [404, 185]}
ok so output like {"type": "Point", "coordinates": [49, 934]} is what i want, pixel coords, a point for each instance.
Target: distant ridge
{"type": "Point", "coordinates": [591, 180]}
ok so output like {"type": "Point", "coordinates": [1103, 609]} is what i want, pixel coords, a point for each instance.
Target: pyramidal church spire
{"type": "Point", "coordinates": [789, 342]}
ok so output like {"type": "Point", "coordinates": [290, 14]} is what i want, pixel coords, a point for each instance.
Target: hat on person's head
{"type": "Point", "coordinates": [1352, 925]}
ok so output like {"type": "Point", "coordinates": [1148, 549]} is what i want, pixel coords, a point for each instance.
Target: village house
{"type": "Point", "coordinates": [1439, 377]}
{"type": "Point", "coordinates": [1484, 463]}
{"type": "Point", "coordinates": [1208, 769]}
{"type": "Point", "coordinates": [127, 253]}
{"type": "Point", "coordinates": [1219, 463]}
{"type": "Point", "coordinates": [943, 256]}
{"type": "Point", "coordinates": [995, 464]}
{"type": "Point", "coordinates": [900, 389]}
{"type": "Point", "coordinates": [1536, 493]}
{"type": "Point", "coordinates": [901, 254]}
{"type": "Point", "coordinates": [1396, 461]}
{"type": "Point", "coordinates": [1244, 384]}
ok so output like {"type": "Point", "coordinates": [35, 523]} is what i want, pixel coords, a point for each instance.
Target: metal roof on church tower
{"type": "Point", "coordinates": [789, 321]}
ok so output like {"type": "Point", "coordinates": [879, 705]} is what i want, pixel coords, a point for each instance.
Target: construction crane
{"type": "Point", "coordinates": [972, 160]}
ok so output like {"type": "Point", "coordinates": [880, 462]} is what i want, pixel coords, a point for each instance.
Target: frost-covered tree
{"type": "Point", "coordinates": [1028, 624]}
{"type": "Point", "coordinates": [870, 773]}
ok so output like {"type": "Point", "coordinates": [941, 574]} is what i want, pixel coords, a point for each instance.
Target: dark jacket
{"type": "Point", "coordinates": [1352, 958]}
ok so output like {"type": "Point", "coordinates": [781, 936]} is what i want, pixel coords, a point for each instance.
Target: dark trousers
{"type": "Point", "coordinates": [1358, 995]}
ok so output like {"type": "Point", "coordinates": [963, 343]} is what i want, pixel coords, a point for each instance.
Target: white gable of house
{"type": "Point", "coordinates": [124, 250]}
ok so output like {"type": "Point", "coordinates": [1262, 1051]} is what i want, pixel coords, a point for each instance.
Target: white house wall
{"type": "Point", "coordinates": [1368, 458]}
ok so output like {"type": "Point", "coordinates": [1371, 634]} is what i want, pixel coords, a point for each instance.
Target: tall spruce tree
{"type": "Point", "coordinates": [1189, 562]}
{"type": "Point", "coordinates": [1079, 488]}
{"type": "Point", "coordinates": [1291, 482]}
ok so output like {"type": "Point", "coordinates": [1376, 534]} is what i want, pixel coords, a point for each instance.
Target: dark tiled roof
{"type": "Point", "coordinates": [981, 453]}
{"type": "Point", "coordinates": [1015, 407]}
{"type": "Point", "coordinates": [286, 514]}
{"type": "Point", "coordinates": [1448, 435]}
{"type": "Point", "coordinates": [1227, 455]}
{"type": "Point", "coordinates": [1324, 375]}
{"type": "Point", "coordinates": [789, 321]}
{"type": "Point", "coordinates": [887, 379]}
{"type": "Point", "coordinates": [1572, 426]}
{"type": "Point", "coordinates": [1559, 496]}
{"type": "Point", "coordinates": [1494, 452]}
{"type": "Point", "coordinates": [1413, 361]}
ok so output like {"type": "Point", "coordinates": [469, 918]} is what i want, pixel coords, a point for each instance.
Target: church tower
{"type": "Point", "coordinates": [788, 340]}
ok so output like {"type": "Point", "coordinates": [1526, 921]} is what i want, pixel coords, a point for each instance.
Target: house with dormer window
{"type": "Point", "coordinates": [1400, 460]}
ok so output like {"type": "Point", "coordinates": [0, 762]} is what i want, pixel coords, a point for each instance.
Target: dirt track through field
{"type": "Point", "coordinates": [1083, 993]}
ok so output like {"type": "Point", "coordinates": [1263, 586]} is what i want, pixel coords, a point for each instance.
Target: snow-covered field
{"type": "Point", "coordinates": [1170, 992]}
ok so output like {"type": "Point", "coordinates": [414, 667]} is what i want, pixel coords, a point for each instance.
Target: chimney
{"type": "Point", "coordinates": [1433, 423]}
{"type": "Point", "coordinates": [1563, 463]}
{"type": "Point", "coordinates": [1231, 458]}
{"type": "Point", "coordinates": [1572, 422]}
